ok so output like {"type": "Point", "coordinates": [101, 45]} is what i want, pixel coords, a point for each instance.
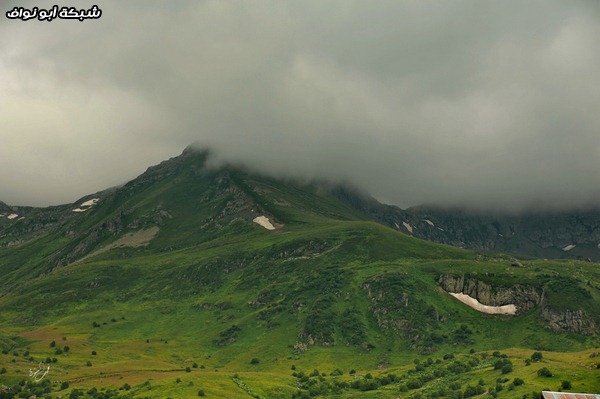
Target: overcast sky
{"type": "Point", "coordinates": [486, 103]}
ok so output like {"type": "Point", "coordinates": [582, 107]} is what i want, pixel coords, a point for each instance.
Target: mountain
{"type": "Point", "coordinates": [193, 280]}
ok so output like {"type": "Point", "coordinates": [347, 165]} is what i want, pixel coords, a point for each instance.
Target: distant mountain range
{"type": "Point", "coordinates": [551, 235]}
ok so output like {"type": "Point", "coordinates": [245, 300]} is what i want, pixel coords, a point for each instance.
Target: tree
{"type": "Point", "coordinates": [88, 363]}
{"type": "Point", "coordinates": [566, 385]}
{"type": "Point", "coordinates": [201, 393]}
{"type": "Point", "coordinates": [64, 385]}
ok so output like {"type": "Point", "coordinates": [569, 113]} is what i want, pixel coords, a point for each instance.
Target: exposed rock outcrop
{"type": "Point", "coordinates": [523, 297]}
{"type": "Point", "coordinates": [569, 320]}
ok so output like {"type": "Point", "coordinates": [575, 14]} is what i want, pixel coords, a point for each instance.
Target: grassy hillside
{"type": "Point", "coordinates": [326, 304]}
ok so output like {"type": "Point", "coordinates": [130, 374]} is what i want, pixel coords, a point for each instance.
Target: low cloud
{"type": "Point", "coordinates": [489, 105]}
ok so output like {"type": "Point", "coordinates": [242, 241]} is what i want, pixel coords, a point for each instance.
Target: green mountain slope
{"type": "Point", "coordinates": [166, 287]}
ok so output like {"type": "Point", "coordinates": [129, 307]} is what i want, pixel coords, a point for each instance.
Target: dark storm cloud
{"type": "Point", "coordinates": [490, 104]}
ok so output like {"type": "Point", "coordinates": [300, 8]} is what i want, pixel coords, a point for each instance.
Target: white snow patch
{"type": "Point", "coordinates": [569, 247]}
{"type": "Point", "coordinates": [80, 210]}
{"type": "Point", "coordinates": [429, 222]}
{"type": "Point", "coordinates": [398, 228]}
{"type": "Point", "coordinates": [440, 229]}
{"type": "Point", "coordinates": [12, 216]}
{"type": "Point", "coordinates": [598, 246]}
{"type": "Point", "coordinates": [91, 202]}
{"type": "Point", "coordinates": [407, 227]}
{"type": "Point", "coordinates": [264, 222]}
{"type": "Point", "coordinates": [474, 303]}
{"type": "Point", "coordinates": [21, 218]}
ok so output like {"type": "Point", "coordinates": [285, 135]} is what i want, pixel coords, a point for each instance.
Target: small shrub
{"type": "Point", "coordinates": [537, 356]}
{"type": "Point", "coordinates": [544, 372]}
{"type": "Point", "coordinates": [566, 385]}
{"type": "Point", "coordinates": [254, 360]}
{"type": "Point", "coordinates": [94, 353]}
{"type": "Point", "coordinates": [507, 368]}
{"type": "Point", "coordinates": [201, 393]}
{"type": "Point", "coordinates": [188, 370]}
{"type": "Point", "coordinates": [64, 386]}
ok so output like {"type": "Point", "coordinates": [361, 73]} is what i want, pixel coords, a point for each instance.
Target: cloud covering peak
{"type": "Point", "coordinates": [487, 104]}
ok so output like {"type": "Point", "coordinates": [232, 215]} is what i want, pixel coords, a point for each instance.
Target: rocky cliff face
{"type": "Point", "coordinates": [523, 297]}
